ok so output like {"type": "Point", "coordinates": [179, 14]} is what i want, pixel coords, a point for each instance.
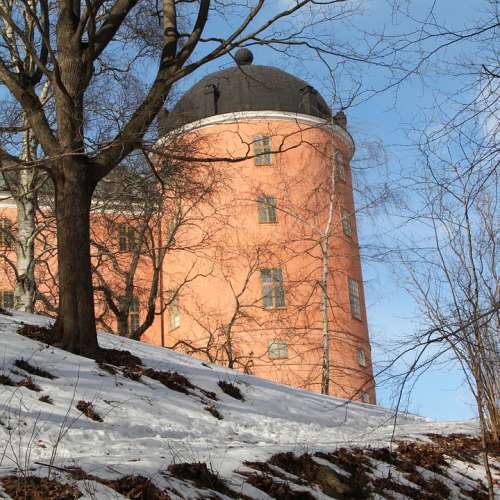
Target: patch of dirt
{"type": "Point", "coordinates": [202, 477]}
{"type": "Point", "coordinates": [208, 394]}
{"type": "Point", "coordinates": [33, 370]}
{"type": "Point", "coordinates": [6, 380]}
{"type": "Point", "coordinates": [276, 489]}
{"type": "Point", "coordinates": [304, 467]}
{"type": "Point", "coordinates": [36, 488]}
{"type": "Point", "coordinates": [133, 372]}
{"type": "Point", "coordinates": [107, 368]}
{"type": "Point", "coordinates": [40, 333]}
{"type": "Point", "coordinates": [231, 390]}
{"type": "Point", "coordinates": [172, 380]}
{"type": "Point", "coordinates": [215, 412]}
{"type": "Point", "coordinates": [29, 384]}
{"type": "Point", "coordinates": [46, 399]}
{"type": "Point", "coordinates": [118, 357]}
{"type": "Point", "coordinates": [136, 487]}
{"type": "Point", "coordinates": [87, 408]}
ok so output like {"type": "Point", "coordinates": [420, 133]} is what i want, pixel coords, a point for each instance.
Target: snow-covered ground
{"type": "Point", "coordinates": [147, 426]}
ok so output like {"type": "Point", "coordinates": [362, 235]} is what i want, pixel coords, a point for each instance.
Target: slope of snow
{"type": "Point", "coordinates": [147, 426]}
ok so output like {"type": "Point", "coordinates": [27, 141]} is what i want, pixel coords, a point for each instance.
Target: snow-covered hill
{"type": "Point", "coordinates": [173, 410]}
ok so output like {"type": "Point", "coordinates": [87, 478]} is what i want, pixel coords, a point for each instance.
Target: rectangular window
{"type": "Point", "coordinates": [354, 299]}
{"type": "Point", "coordinates": [6, 236]}
{"type": "Point", "coordinates": [346, 223]}
{"type": "Point", "coordinates": [273, 293]}
{"type": "Point", "coordinates": [126, 238]}
{"type": "Point", "coordinates": [133, 315]}
{"type": "Point", "coordinates": [6, 299]}
{"type": "Point", "coordinates": [278, 349]}
{"type": "Point", "coordinates": [361, 357]}
{"type": "Point", "coordinates": [174, 312]}
{"type": "Point", "coordinates": [262, 149]}
{"type": "Point", "coordinates": [365, 397]}
{"type": "Point", "coordinates": [340, 166]}
{"type": "Point", "coordinates": [267, 209]}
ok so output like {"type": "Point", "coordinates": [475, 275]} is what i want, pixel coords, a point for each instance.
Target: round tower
{"type": "Point", "coordinates": [275, 286]}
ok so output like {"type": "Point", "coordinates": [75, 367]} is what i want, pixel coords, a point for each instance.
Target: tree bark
{"type": "Point", "coordinates": [76, 324]}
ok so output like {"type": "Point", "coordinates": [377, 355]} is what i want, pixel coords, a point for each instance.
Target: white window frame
{"type": "Point", "coordinates": [174, 312]}
{"type": "Point", "coordinates": [273, 292]}
{"type": "Point", "coordinates": [340, 166]}
{"type": "Point", "coordinates": [267, 209]}
{"type": "Point", "coordinates": [346, 222]}
{"type": "Point", "coordinates": [361, 357]}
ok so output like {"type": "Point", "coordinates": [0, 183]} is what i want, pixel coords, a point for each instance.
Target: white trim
{"type": "Point", "coordinates": [264, 115]}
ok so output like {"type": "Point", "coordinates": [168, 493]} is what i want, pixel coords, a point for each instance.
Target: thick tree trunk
{"type": "Point", "coordinates": [76, 324]}
{"type": "Point", "coordinates": [25, 242]}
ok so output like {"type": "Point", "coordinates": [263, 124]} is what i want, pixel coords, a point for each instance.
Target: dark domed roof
{"type": "Point", "coordinates": [246, 87]}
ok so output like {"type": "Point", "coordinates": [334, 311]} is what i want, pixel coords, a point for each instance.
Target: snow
{"type": "Point", "coordinates": [147, 426]}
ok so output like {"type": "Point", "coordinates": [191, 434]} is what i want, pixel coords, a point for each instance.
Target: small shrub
{"type": "Point", "coordinates": [172, 380]}
{"type": "Point", "coordinates": [22, 488]}
{"type": "Point", "coordinates": [277, 489]}
{"type": "Point", "coordinates": [231, 390]}
{"type": "Point", "coordinates": [136, 487]}
{"type": "Point", "coordinates": [215, 412]}
{"type": "Point", "coordinates": [87, 408]}
{"type": "Point", "coordinates": [29, 384]}
{"type": "Point", "coordinates": [46, 399]}
{"type": "Point", "coordinates": [107, 368]}
{"type": "Point", "coordinates": [6, 380]}
{"type": "Point", "coordinates": [33, 370]}
{"type": "Point", "coordinates": [202, 477]}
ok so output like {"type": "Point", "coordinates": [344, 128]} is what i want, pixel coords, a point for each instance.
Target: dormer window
{"type": "Point", "coordinates": [262, 149]}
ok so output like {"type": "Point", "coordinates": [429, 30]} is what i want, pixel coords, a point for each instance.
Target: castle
{"type": "Point", "coordinates": [273, 285]}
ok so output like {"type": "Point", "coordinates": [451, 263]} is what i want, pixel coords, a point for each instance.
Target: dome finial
{"type": "Point", "coordinates": [243, 57]}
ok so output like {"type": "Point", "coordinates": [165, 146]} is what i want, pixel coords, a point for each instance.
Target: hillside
{"type": "Point", "coordinates": [170, 426]}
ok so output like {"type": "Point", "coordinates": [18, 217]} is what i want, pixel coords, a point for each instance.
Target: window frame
{"type": "Point", "coordinates": [361, 355]}
{"type": "Point", "coordinates": [174, 312]}
{"type": "Point", "coordinates": [6, 235]}
{"type": "Point", "coordinates": [273, 290]}
{"type": "Point", "coordinates": [126, 238]}
{"type": "Point", "coordinates": [277, 349]}
{"type": "Point", "coordinates": [262, 149]}
{"type": "Point", "coordinates": [346, 219]}
{"type": "Point", "coordinates": [7, 303]}
{"type": "Point", "coordinates": [134, 315]}
{"type": "Point", "coordinates": [340, 166]}
{"type": "Point", "coordinates": [266, 209]}
{"type": "Point", "coordinates": [355, 299]}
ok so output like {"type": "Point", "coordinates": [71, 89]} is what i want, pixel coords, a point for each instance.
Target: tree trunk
{"type": "Point", "coordinates": [24, 295]}
{"type": "Point", "coordinates": [76, 322]}
{"type": "Point", "coordinates": [325, 371]}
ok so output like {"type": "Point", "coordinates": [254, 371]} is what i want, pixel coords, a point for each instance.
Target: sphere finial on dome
{"type": "Point", "coordinates": [243, 57]}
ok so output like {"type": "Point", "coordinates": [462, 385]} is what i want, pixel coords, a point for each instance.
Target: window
{"type": "Point", "coordinates": [267, 209]}
{"type": "Point", "coordinates": [273, 293]}
{"type": "Point", "coordinates": [340, 166]}
{"type": "Point", "coordinates": [361, 357]}
{"type": "Point", "coordinates": [6, 299]}
{"type": "Point", "coordinates": [365, 397]}
{"type": "Point", "coordinates": [6, 239]}
{"type": "Point", "coordinates": [133, 315]}
{"type": "Point", "coordinates": [126, 238]}
{"type": "Point", "coordinates": [262, 149]}
{"type": "Point", "coordinates": [346, 223]}
{"type": "Point", "coordinates": [278, 349]}
{"type": "Point", "coordinates": [354, 299]}
{"type": "Point", "coordinates": [174, 312]}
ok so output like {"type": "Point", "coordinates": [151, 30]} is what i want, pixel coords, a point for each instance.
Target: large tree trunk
{"type": "Point", "coordinates": [76, 323]}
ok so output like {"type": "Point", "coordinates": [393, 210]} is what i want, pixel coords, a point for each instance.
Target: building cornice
{"type": "Point", "coordinates": [250, 116]}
